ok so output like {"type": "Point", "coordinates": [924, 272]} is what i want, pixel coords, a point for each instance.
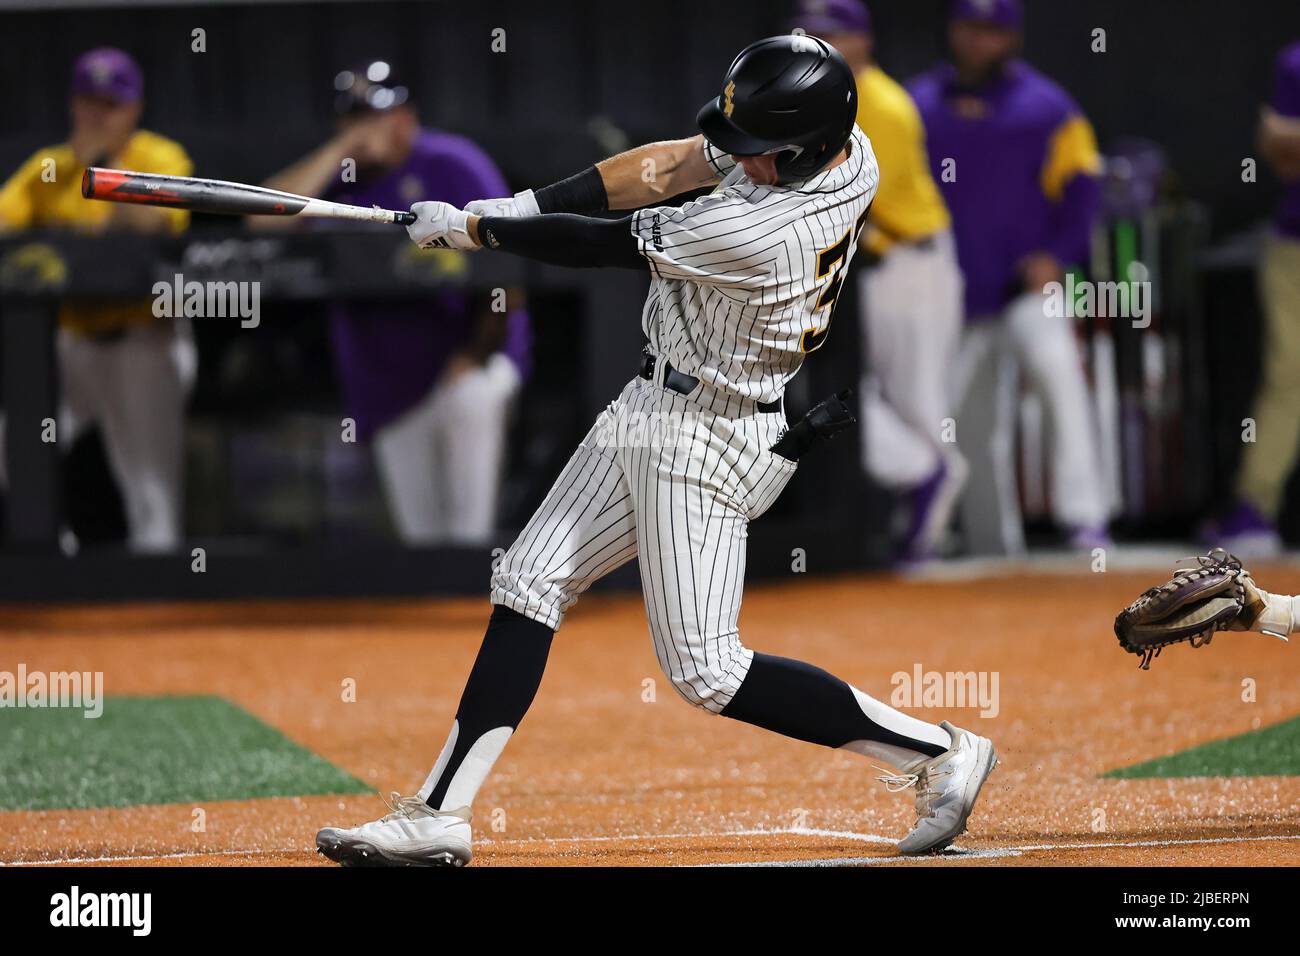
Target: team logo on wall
{"type": "Point", "coordinates": [432, 267]}
{"type": "Point", "coordinates": [33, 267]}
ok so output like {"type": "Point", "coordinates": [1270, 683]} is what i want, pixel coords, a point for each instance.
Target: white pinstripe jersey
{"type": "Point", "coordinates": [743, 280]}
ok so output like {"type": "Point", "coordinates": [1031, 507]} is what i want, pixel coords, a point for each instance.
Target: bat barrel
{"type": "Point", "coordinates": [187, 192]}
{"type": "Point", "coordinates": [217, 196]}
{"type": "Point", "coordinates": [97, 183]}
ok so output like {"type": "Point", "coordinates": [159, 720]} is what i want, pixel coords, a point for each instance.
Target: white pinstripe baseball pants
{"type": "Point", "coordinates": [664, 478]}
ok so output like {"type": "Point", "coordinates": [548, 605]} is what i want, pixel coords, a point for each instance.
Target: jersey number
{"type": "Point", "coordinates": [831, 262]}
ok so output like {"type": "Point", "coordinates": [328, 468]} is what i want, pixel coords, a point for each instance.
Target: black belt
{"type": "Point", "coordinates": [684, 384]}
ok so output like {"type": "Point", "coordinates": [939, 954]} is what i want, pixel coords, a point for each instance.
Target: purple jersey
{"type": "Point", "coordinates": [1286, 100]}
{"type": "Point", "coordinates": [1017, 165]}
{"type": "Point", "coordinates": [391, 353]}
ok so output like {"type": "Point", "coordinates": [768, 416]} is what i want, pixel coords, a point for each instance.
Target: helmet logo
{"type": "Point", "coordinates": [801, 42]}
{"type": "Point", "coordinates": [727, 94]}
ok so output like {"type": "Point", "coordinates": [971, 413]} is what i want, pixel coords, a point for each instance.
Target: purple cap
{"type": "Point", "coordinates": [108, 71]}
{"type": "Point", "coordinates": [820, 17]}
{"type": "Point", "coordinates": [1007, 14]}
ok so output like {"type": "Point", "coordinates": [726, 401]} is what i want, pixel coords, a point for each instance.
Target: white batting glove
{"type": "Point", "coordinates": [521, 204]}
{"type": "Point", "coordinates": [440, 225]}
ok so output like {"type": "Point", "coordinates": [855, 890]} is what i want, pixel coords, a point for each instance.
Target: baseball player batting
{"type": "Point", "coordinates": [743, 286]}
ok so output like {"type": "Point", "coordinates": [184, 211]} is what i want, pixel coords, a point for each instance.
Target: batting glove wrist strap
{"type": "Point", "coordinates": [526, 203]}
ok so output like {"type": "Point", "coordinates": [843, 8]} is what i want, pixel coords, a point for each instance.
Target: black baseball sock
{"type": "Point", "coordinates": [805, 702]}
{"type": "Point", "coordinates": [500, 689]}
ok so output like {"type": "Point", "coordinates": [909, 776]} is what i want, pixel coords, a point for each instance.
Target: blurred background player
{"type": "Point", "coordinates": [1267, 462]}
{"type": "Point", "coordinates": [910, 292]}
{"type": "Point", "coordinates": [120, 367]}
{"type": "Point", "coordinates": [1018, 166]}
{"type": "Point", "coordinates": [430, 383]}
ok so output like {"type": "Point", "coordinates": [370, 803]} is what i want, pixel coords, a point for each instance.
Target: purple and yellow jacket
{"type": "Point", "coordinates": [1018, 167]}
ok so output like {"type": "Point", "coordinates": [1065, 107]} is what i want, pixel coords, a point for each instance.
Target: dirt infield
{"type": "Point", "coordinates": [611, 767]}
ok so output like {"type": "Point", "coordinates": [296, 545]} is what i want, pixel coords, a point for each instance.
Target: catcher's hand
{"type": "Point", "coordinates": [1209, 593]}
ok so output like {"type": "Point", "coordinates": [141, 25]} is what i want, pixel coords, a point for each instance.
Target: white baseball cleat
{"type": "Point", "coordinates": [414, 834]}
{"type": "Point", "coordinates": [946, 789]}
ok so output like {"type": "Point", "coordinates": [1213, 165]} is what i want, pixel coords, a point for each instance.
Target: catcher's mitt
{"type": "Point", "coordinates": [1214, 593]}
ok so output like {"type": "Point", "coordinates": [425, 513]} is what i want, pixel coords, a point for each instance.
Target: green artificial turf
{"type": "Point", "coordinates": [1267, 752]}
{"type": "Point", "coordinates": [153, 750]}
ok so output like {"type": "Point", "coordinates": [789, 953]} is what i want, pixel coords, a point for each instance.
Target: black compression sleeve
{"type": "Point", "coordinates": [583, 194]}
{"type": "Point", "coordinates": [561, 240]}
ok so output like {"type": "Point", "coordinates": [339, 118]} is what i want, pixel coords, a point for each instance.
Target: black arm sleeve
{"type": "Point", "coordinates": [563, 240]}
{"type": "Point", "coordinates": [583, 194]}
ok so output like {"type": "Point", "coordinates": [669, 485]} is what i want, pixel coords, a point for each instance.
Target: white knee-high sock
{"type": "Point", "coordinates": [903, 726]}
{"type": "Point", "coordinates": [499, 691]}
{"type": "Point", "coordinates": [807, 703]}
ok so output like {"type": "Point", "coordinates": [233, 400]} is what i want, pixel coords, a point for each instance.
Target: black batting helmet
{"type": "Point", "coordinates": [792, 95]}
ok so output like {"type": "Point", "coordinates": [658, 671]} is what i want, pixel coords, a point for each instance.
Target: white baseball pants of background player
{"type": "Point", "coordinates": [440, 462]}
{"type": "Point", "coordinates": [1025, 340]}
{"type": "Point", "coordinates": [911, 308]}
{"type": "Point", "coordinates": [134, 387]}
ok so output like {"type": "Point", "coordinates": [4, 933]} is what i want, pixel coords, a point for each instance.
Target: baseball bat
{"type": "Point", "coordinates": [215, 195]}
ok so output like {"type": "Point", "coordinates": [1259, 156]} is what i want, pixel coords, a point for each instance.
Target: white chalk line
{"type": "Point", "coordinates": [780, 831]}
{"type": "Point", "coordinates": [134, 858]}
{"type": "Point", "coordinates": [954, 853]}
{"type": "Point", "coordinates": [950, 854]}
{"type": "Point", "coordinates": [522, 841]}
{"type": "Point", "coordinates": [1144, 843]}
